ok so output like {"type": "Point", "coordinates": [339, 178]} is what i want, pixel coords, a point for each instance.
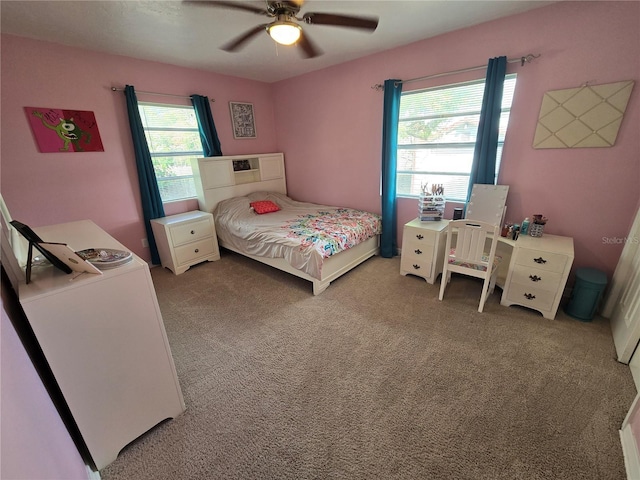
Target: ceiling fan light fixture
{"type": "Point", "coordinates": [284, 32]}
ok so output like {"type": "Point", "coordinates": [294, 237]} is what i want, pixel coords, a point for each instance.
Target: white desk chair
{"type": "Point", "coordinates": [469, 255]}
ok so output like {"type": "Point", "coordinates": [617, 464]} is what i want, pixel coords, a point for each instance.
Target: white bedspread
{"type": "Point", "coordinates": [304, 234]}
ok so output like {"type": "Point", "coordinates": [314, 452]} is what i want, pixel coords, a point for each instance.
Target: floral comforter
{"type": "Point", "coordinates": [304, 234]}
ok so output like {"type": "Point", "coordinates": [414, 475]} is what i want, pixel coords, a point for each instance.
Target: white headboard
{"type": "Point", "coordinates": [219, 178]}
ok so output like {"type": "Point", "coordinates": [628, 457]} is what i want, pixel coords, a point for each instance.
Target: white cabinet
{"type": "Point", "coordinates": [271, 167]}
{"type": "Point", "coordinates": [538, 273]}
{"type": "Point", "coordinates": [104, 338]}
{"type": "Point", "coordinates": [423, 248]}
{"type": "Point", "coordinates": [218, 178]}
{"type": "Point", "coordinates": [217, 174]}
{"type": "Point", "coordinates": [185, 239]}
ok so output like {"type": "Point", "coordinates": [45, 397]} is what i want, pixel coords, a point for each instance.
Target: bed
{"type": "Point", "coordinates": [318, 243]}
{"type": "Point", "coordinates": [315, 242]}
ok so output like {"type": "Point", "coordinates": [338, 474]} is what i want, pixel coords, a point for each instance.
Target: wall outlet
{"type": "Point", "coordinates": [145, 243]}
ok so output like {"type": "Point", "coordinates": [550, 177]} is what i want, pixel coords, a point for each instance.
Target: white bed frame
{"type": "Point", "coordinates": [216, 180]}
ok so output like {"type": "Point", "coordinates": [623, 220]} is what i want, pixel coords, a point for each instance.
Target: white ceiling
{"type": "Point", "coordinates": [190, 35]}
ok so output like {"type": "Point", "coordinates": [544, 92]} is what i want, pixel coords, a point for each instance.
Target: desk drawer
{"type": "Point", "coordinates": [189, 232]}
{"type": "Point", "coordinates": [416, 264]}
{"type": "Point", "coordinates": [531, 297]}
{"type": "Point", "coordinates": [551, 262]}
{"type": "Point", "coordinates": [195, 250]}
{"type": "Point", "coordinates": [537, 278]}
{"type": "Point", "coordinates": [414, 237]}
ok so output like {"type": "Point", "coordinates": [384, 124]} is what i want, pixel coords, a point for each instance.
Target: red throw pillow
{"type": "Point", "coordinates": [264, 206]}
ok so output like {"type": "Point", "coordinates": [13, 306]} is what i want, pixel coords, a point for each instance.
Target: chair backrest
{"type": "Point", "coordinates": [471, 241]}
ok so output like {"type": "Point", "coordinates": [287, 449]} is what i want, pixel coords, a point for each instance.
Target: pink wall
{"type": "Point", "coordinates": [35, 442]}
{"type": "Point", "coordinates": [330, 122]}
{"type": "Point", "coordinates": [48, 188]}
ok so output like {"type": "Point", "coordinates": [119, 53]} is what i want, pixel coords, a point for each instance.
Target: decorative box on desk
{"type": "Point", "coordinates": [431, 207]}
{"type": "Point", "coordinates": [423, 248]}
{"type": "Point", "coordinates": [185, 239]}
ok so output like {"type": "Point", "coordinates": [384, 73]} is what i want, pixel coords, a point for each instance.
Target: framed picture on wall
{"type": "Point", "coordinates": [242, 119]}
{"type": "Point", "coordinates": [61, 130]}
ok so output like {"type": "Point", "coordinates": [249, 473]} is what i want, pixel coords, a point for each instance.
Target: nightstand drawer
{"type": "Point", "coordinates": [552, 262]}
{"type": "Point", "coordinates": [537, 278]}
{"type": "Point", "coordinates": [193, 251]}
{"type": "Point", "coordinates": [189, 232]}
{"type": "Point", "coordinates": [531, 297]}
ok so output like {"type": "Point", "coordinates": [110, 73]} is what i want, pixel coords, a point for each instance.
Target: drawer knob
{"type": "Point", "coordinates": [535, 278]}
{"type": "Point", "coordinates": [529, 296]}
{"type": "Point", "coordinates": [418, 251]}
{"type": "Point", "coordinates": [419, 237]}
{"type": "Point", "coordinates": [539, 260]}
{"type": "Point", "coordinates": [193, 232]}
{"type": "Point", "coordinates": [197, 250]}
{"type": "Point", "coordinates": [417, 267]}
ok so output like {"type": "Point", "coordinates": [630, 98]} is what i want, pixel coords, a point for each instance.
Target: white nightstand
{"type": "Point", "coordinates": [185, 239]}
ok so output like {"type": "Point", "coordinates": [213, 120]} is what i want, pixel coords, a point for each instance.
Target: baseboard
{"type": "Point", "coordinates": [92, 475]}
{"type": "Point", "coordinates": [630, 453]}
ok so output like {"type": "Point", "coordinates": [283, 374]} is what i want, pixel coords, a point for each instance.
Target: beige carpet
{"type": "Point", "coordinates": [377, 379]}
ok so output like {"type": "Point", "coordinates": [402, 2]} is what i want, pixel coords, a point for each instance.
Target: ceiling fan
{"type": "Point", "coordinates": [286, 29]}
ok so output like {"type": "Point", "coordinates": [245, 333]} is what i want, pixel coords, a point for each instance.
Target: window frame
{"type": "Point", "coordinates": [452, 146]}
{"type": "Point", "coordinates": [177, 153]}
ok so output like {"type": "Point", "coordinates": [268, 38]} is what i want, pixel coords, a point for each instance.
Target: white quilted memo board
{"type": "Point", "coordinates": [586, 116]}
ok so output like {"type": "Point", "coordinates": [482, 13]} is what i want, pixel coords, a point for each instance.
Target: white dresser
{"type": "Point", "coordinates": [538, 273]}
{"type": "Point", "coordinates": [185, 239]}
{"type": "Point", "coordinates": [423, 248]}
{"type": "Point", "coordinates": [105, 341]}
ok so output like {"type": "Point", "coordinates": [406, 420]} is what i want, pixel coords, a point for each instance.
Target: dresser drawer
{"type": "Point", "coordinates": [192, 251]}
{"type": "Point", "coordinates": [531, 297]}
{"type": "Point", "coordinates": [537, 278]}
{"type": "Point", "coordinates": [189, 232]}
{"type": "Point", "coordinates": [551, 262]}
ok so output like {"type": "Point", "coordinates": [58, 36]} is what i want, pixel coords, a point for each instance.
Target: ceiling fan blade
{"type": "Point", "coordinates": [309, 48]}
{"type": "Point", "coordinates": [232, 5]}
{"type": "Point", "coordinates": [238, 42]}
{"type": "Point", "coordinates": [365, 23]}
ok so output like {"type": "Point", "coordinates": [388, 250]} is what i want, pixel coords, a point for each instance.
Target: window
{"type": "Point", "coordinates": [173, 139]}
{"type": "Point", "coordinates": [437, 133]}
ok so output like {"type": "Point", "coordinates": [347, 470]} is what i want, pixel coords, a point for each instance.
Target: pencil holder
{"type": "Point", "coordinates": [536, 229]}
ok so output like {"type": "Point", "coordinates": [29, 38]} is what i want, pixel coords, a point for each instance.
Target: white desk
{"type": "Point", "coordinates": [105, 341]}
{"type": "Point", "coordinates": [533, 272]}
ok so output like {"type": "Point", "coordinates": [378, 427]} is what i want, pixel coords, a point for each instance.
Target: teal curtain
{"type": "Point", "coordinates": [149, 192]}
{"type": "Point", "coordinates": [388, 240]}
{"type": "Point", "coordinates": [483, 169]}
{"type": "Point", "coordinates": [206, 126]}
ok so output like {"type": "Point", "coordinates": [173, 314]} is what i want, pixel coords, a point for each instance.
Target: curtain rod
{"type": "Point", "coordinates": [116, 89]}
{"type": "Point", "coordinates": [526, 59]}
